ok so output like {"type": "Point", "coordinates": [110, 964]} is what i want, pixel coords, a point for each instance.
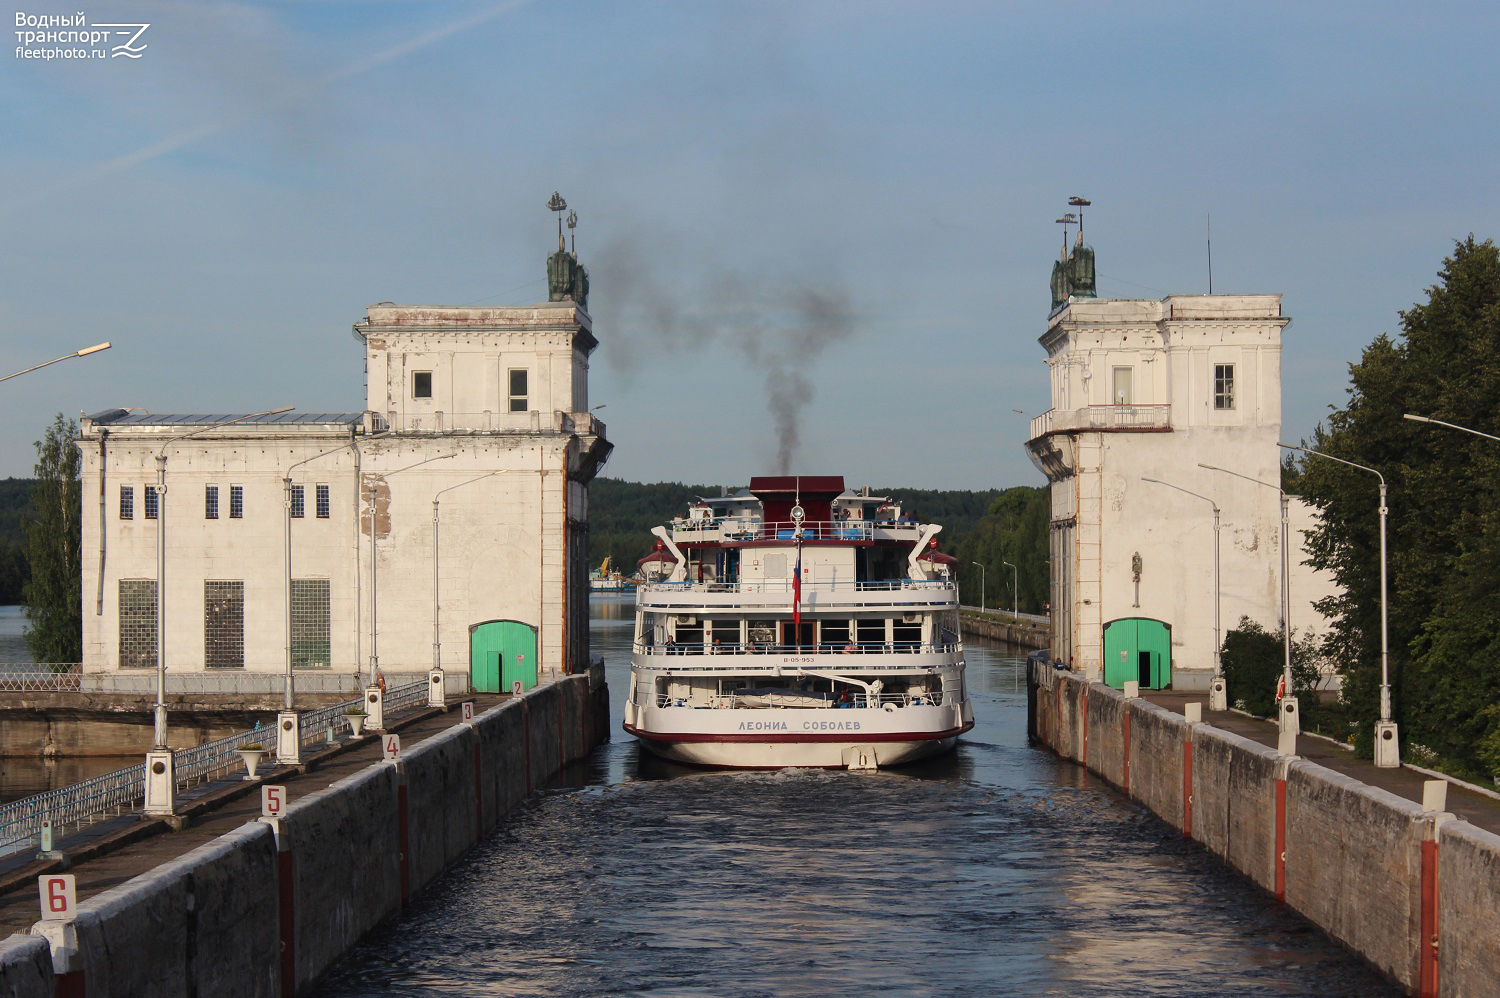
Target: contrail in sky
{"type": "Point", "coordinates": [188, 136]}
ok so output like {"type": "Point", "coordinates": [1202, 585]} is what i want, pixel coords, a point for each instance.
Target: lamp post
{"type": "Point", "coordinates": [67, 356]}
{"type": "Point", "coordinates": [289, 688]}
{"type": "Point", "coordinates": [374, 575]}
{"type": "Point", "coordinates": [1387, 739]}
{"type": "Point", "coordinates": [1451, 426]}
{"type": "Point", "coordinates": [1014, 588]}
{"type": "Point", "coordinates": [981, 583]}
{"type": "Point", "coordinates": [1287, 708]}
{"type": "Point", "coordinates": [160, 742]}
{"type": "Point", "coordinates": [161, 780]}
{"type": "Point", "coordinates": [437, 644]}
{"type": "Point", "coordinates": [1218, 696]}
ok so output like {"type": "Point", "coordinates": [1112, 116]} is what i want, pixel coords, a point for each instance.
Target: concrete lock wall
{"type": "Point", "coordinates": [209, 923]}
{"type": "Point", "coordinates": [1352, 859]}
{"type": "Point", "coordinates": [1106, 721]}
{"type": "Point", "coordinates": [1234, 801]}
{"type": "Point", "coordinates": [204, 924]}
{"type": "Point", "coordinates": [1354, 865]}
{"type": "Point", "coordinates": [26, 967]}
{"type": "Point", "coordinates": [1469, 908]}
{"type": "Point", "coordinates": [1156, 738]}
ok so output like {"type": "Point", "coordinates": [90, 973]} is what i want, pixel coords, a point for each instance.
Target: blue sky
{"type": "Point", "coordinates": [224, 207]}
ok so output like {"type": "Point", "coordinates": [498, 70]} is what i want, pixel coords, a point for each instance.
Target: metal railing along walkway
{"type": "Point", "coordinates": [81, 804]}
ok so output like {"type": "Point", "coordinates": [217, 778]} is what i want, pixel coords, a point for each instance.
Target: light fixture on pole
{"type": "Point", "coordinates": [67, 356]}
{"type": "Point", "coordinates": [437, 644]}
{"type": "Point", "coordinates": [160, 779]}
{"type": "Point", "coordinates": [374, 575]}
{"type": "Point", "coordinates": [1218, 695]}
{"type": "Point", "coordinates": [1015, 589]}
{"type": "Point", "coordinates": [1451, 426]}
{"type": "Point", "coordinates": [1387, 738]}
{"type": "Point", "coordinates": [288, 731]}
{"type": "Point", "coordinates": [981, 583]}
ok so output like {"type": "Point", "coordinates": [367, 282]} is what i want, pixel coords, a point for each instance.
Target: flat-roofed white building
{"type": "Point", "coordinates": [1146, 389]}
{"type": "Point", "coordinates": [446, 523]}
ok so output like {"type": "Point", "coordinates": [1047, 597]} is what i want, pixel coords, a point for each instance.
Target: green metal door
{"type": "Point", "coordinates": [500, 653]}
{"type": "Point", "coordinates": [1138, 649]}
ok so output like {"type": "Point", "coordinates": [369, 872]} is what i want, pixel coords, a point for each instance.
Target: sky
{"type": "Point", "coordinates": [816, 232]}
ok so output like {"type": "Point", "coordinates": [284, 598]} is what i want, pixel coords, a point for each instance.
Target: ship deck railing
{"type": "Point", "coordinates": [832, 650]}
{"type": "Point", "coordinates": [785, 586]}
{"type": "Point", "coordinates": [743, 531]}
{"type": "Point", "coordinates": [858, 700]}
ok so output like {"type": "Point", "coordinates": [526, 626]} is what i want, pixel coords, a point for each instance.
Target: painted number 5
{"type": "Point", "coordinates": [272, 801]}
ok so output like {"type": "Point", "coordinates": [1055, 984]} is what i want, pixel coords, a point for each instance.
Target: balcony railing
{"type": "Point", "coordinates": [1105, 418]}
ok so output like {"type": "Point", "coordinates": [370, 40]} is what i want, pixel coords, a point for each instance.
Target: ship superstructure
{"type": "Point", "coordinates": [797, 623]}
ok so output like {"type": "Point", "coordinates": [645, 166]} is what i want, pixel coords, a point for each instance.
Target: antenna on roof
{"type": "Point", "coordinates": [1066, 221]}
{"type": "Point", "coordinates": [1210, 252]}
{"type": "Point", "coordinates": [1080, 203]}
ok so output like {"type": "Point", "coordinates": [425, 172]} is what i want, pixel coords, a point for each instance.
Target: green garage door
{"type": "Point", "coordinates": [500, 653]}
{"type": "Point", "coordinates": [1138, 649]}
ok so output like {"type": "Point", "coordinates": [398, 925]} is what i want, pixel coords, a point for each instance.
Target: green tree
{"type": "Point", "coordinates": [53, 595]}
{"type": "Point", "coordinates": [1444, 521]}
{"type": "Point", "coordinates": [1254, 661]}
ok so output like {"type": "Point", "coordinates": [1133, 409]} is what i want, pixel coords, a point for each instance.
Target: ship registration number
{"type": "Point", "coordinates": [798, 660]}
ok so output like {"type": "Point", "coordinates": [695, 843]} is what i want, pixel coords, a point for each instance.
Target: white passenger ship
{"type": "Point", "coordinates": [798, 624]}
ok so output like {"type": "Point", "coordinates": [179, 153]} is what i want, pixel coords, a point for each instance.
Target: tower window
{"type": "Point", "coordinates": [1223, 386]}
{"type": "Point", "coordinates": [127, 502]}
{"type": "Point", "coordinates": [210, 502]}
{"type": "Point", "coordinates": [1124, 386]}
{"type": "Point", "coordinates": [298, 504]}
{"type": "Point", "coordinates": [149, 492]}
{"type": "Point", "coordinates": [519, 397]}
{"type": "Point", "coordinates": [236, 502]}
{"type": "Point", "coordinates": [421, 384]}
{"type": "Point", "coordinates": [325, 502]}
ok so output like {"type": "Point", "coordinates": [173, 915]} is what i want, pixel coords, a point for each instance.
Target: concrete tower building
{"type": "Point", "coordinates": [447, 523]}
{"type": "Point", "coordinates": [1147, 389]}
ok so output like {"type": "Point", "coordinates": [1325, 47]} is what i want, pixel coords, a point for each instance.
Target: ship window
{"type": "Point", "coordinates": [835, 634]}
{"type": "Point", "coordinates": [421, 384]}
{"type": "Point", "coordinates": [762, 633]}
{"type": "Point", "coordinates": [726, 635]}
{"type": "Point", "coordinates": [1223, 386]}
{"type": "Point", "coordinates": [869, 632]}
{"type": "Point", "coordinates": [907, 637]}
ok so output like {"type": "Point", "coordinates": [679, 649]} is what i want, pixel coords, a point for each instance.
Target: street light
{"type": "Point", "coordinates": [374, 577]}
{"type": "Point", "coordinates": [437, 645]}
{"type": "Point", "coordinates": [286, 482]}
{"type": "Point", "coordinates": [161, 563]}
{"type": "Point", "coordinates": [1451, 426]}
{"type": "Point", "coordinates": [1218, 697]}
{"type": "Point", "coordinates": [981, 584]}
{"type": "Point", "coordinates": [1387, 741]}
{"type": "Point", "coordinates": [1014, 588]}
{"type": "Point", "coordinates": [67, 356]}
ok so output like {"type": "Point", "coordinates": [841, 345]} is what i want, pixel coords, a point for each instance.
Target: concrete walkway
{"type": "Point", "coordinates": [1475, 808]}
{"type": "Point", "coordinates": [112, 852]}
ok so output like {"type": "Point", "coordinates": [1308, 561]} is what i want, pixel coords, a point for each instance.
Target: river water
{"type": "Point", "coordinates": [996, 870]}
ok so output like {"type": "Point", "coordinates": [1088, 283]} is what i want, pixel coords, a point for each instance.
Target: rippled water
{"type": "Point", "coordinates": [997, 869]}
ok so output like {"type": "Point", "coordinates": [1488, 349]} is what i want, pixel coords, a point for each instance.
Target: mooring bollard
{"type": "Point", "coordinates": [161, 783]}
{"type": "Point", "coordinates": [436, 695]}
{"type": "Point", "coordinates": [374, 708]}
{"type": "Point", "coordinates": [288, 738]}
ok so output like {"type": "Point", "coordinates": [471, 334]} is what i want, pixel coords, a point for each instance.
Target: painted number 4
{"type": "Point", "coordinates": [59, 897]}
{"type": "Point", "coordinates": [272, 801]}
{"type": "Point", "coordinates": [390, 745]}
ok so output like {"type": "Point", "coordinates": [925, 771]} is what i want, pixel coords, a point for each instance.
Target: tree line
{"type": "Point", "coordinates": [990, 526]}
{"type": "Point", "coordinates": [1443, 530]}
